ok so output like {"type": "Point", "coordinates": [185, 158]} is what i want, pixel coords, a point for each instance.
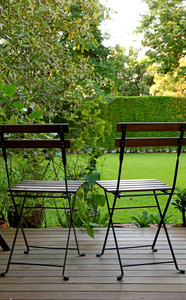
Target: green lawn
{"type": "Point", "coordinates": [148, 165]}
{"type": "Point", "coordinates": [140, 166]}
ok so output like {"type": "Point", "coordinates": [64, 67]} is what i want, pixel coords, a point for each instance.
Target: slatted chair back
{"type": "Point", "coordinates": [11, 130]}
{"type": "Point", "coordinates": [177, 141]}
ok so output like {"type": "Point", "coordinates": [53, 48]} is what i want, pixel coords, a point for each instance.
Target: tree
{"type": "Point", "coordinates": [163, 26]}
{"type": "Point", "coordinates": [47, 77]}
{"type": "Point", "coordinates": [170, 84]}
{"type": "Point", "coordinates": [99, 56]}
{"type": "Point", "coordinates": [131, 76]}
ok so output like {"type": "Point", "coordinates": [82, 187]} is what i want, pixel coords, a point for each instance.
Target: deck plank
{"type": "Point", "coordinates": [92, 277]}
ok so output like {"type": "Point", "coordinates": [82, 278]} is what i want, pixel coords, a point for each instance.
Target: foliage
{"type": "Point", "coordinates": [43, 45]}
{"type": "Point", "coordinates": [88, 198]}
{"type": "Point", "coordinates": [142, 220]}
{"type": "Point", "coordinates": [131, 75]}
{"type": "Point", "coordinates": [180, 203]}
{"type": "Point", "coordinates": [170, 84]}
{"type": "Point", "coordinates": [21, 165]}
{"type": "Point", "coordinates": [156, 219]}
{"type": "Point", "coordinates": [3, 199]}
{"type": "Point", "coordinates": [141, 109]}
{"type": "Point", "coordinates": [163, 26]}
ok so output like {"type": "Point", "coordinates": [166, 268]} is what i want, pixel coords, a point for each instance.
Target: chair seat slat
{"type": "Point", "coordinates": [133, 185]}
{"type": "Point", "coordinates": [47, 186]}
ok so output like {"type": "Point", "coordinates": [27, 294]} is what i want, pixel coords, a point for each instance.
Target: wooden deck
{"type": "Point", "coordinates": [92, 277]}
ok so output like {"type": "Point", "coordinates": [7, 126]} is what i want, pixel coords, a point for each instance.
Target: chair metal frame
{"type": "Point", "coordinates": [3, 244]}
{"type": "Point", "coordinates": [64, 189]}
{"type": "Point", "coordinates": [150, 187]}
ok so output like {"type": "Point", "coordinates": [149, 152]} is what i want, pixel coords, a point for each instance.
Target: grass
{"type": "Point", "coordinates": [140, 166]}
{"type": "Point", "coordinates": [136, 166]}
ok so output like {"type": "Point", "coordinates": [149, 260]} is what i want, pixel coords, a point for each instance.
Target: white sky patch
{"type": "Point", "coordinates": [122, 24]}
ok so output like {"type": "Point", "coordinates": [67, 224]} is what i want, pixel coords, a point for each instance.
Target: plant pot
{"type": "Point", "coordinates": [31, 219]}
{"type": "Point", "coordinates": [3, 224]}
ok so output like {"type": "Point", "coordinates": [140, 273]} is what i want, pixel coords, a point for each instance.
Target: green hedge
{"type": "Point", "coordinates": [140, 109]}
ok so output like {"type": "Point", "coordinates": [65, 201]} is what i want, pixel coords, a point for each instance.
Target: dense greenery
{"type": "Point", "coordinates": [130, 76]}
{"type": "Point", "coordinates": [171, 83]}
{"type": "Point", "coordinates": [44, 46]}
{"type": "Point", "coordinates": [141, 109]}
{"type": "Point", "coordinates": [55, 68]}
{"type": "Point", "coordinates": [163, 26]}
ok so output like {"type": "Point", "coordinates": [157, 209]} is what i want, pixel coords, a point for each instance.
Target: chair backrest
{"type": "Point", "coordinates": [150, 141]}
{"type": "Point", "coordinates": [61, 143]}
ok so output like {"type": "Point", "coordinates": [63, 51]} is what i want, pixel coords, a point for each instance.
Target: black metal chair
{"type": "Point", "coordinates": [65, 189]}
{"type": "Point", "coordinates": [142, 187]}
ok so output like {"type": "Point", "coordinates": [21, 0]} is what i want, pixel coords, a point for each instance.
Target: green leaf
{"type": "Point", "coordinates": [101, 200]}
{"type": "Point", "coordinates": [18, 105]}
{"type": "Point", "coordinates": [3, 99]}
{"type": "Point", "coordinates": [1, 86]}
{"type": "Point", "coordinates": [9, 89]}
{"type": "Point", "coordinates": [90, 179]}
{"type": "Point", "coordinates": [36, 114]}
{"type": "Point", "coordinates": [89, 230]}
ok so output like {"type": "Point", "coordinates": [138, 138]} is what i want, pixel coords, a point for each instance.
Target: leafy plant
{"type": "Point", "coordinates": [156, 219]}
{"type": "Point", "coordinates": [180, 203]}
{"type": "Point", "coordinates": [3, 199]}
{"type": "Point", "coordinates": [88, 198]}
{"type": "Point", "coordinates": [142, 220]}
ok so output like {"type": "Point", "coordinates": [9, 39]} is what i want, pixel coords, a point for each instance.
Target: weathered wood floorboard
{"type": "Point", "coordinates": [92, 277]}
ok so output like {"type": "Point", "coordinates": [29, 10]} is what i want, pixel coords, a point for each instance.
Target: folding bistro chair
{"type": "Point", "coordinates": [65, 189]}
{"type": "Point", "coordinates": [142, 187]}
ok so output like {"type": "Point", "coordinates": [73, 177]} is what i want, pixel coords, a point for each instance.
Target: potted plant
{"type": "Point", "coordinates": [2, 221]}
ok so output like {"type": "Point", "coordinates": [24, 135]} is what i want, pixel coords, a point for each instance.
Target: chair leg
{"type": "Point", "coordinates": [75, 236]}
{"type": "Point", "coordinates": [12, 250]}
{"type": "Point", "coordinates": [166, 233]}
{"type": "Point", "coordinates": [66, 252]}
{"type": "Point", "coordinates": [15, 237]}
{"type": "Point", "coordinates": [68, 238]}
{"type": "Point", "coordinates": [3, 244]}
{"type": "Point", "coordinates": [114, 234]}
{"type": "Point", "coordinates": [108, 228]}
{"type": "Point", "coordinates": [118, 253]}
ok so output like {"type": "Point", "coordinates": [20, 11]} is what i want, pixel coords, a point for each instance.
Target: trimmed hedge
{"type": "Point", "coordinates": [140, 109]}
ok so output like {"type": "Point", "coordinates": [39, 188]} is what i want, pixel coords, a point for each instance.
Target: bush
{"type": "Point", "coordinates": [140, 109]}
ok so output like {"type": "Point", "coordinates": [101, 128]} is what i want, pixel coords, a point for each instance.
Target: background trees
{"type": "Point", "coordinates": [53, 53]}
{"type": "Point", "coordinates": [163, 26]}
{"type": "Point", "coordinates": [131, 77]}
{"type": "Point", "coordinates": [170, 84]}
{"type": "Point", "coordinates": [45, 49]}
